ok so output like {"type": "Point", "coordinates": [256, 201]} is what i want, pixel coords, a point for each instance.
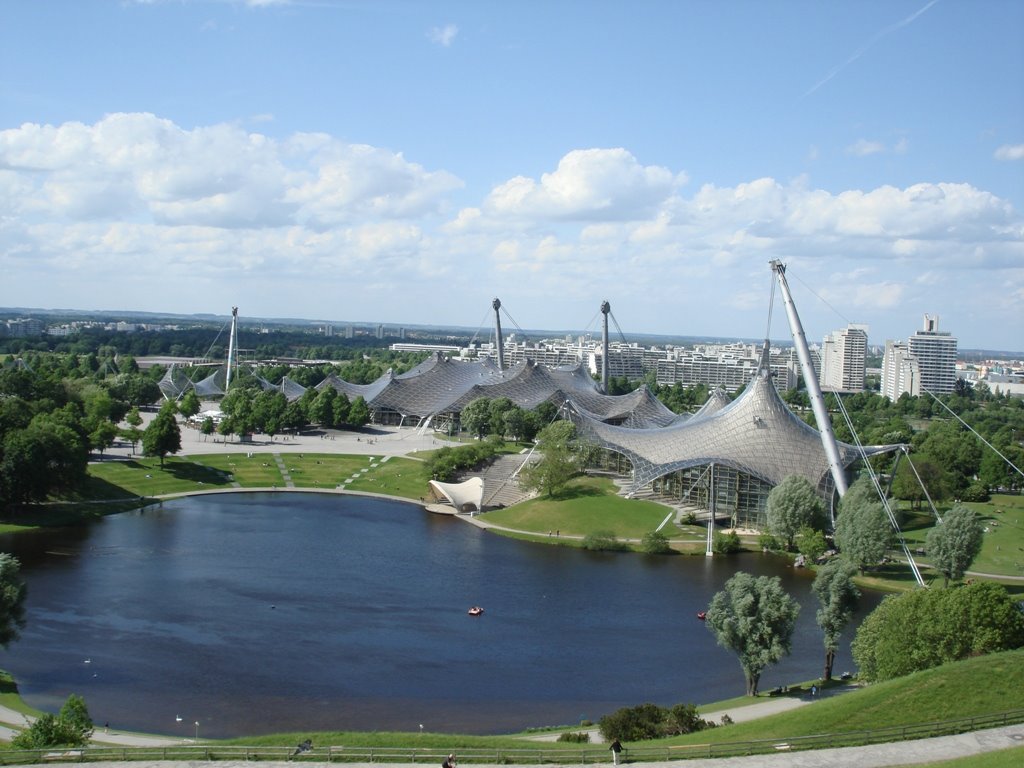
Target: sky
{"type": "Point", "coordinates": [406, 162]}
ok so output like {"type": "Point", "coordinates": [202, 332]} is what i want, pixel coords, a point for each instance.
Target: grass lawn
{"type": "Point", "coordinates": [1004, 758]}
{"type": "Point", "coordinates": [978, 686]}
{"type": "Point", "coordinates": [144, 477]}
{"type": "Point", "coordinates": [587, 504]}
{"type": "Point", "coordinates": [397, 476]}
{"type": "Point", "coordinates": [259, 471]}
{"type": "Point", "coordinates": [1003, 550]}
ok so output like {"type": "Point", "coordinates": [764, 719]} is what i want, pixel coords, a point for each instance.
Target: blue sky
{"type": "Point", "coordinates": [406, 162]}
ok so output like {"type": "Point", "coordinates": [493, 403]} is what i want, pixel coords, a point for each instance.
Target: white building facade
{"type": "Point", "coordinates": [843, 354]}
{"type": "Point", "coordinates": [925, 363]}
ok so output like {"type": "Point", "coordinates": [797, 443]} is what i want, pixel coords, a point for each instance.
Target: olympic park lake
{"type": "Point", "coordinates": [253, 613]}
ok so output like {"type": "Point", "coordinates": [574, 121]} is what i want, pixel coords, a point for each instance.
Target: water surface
{"type": "Point", "coordinates": [257, 613]}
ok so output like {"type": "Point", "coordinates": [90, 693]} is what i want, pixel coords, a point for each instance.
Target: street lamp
{"type": "Point", "coordinates": [197, 730]}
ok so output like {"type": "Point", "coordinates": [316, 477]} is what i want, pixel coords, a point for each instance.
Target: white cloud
{"type": "Point", "coordinates": [863, 148]}
{"type": "Point", "coordinates": [443, 36]}
{"type": "Point", "coordinates": [137, 200]}
{"type": "Point", "coordinates": [1010, 152]}
{"type": "Point", "coordinates": [138, 166]}
{"type": "Point", "coordinates": [607, 184]}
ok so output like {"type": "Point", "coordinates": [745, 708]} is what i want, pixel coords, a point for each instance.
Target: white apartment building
{"type": "Point", "coordinates": [926, 363]}
{"type": "Point", "coordinates": [936, 357]}
{"type": "Point", "coordinates": [900, 371]}
{"type": "Point", "coordinates": [843, 354]}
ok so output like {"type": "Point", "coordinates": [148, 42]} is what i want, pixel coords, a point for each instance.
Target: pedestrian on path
{"type": "Point", "coordinates": [616, 748]}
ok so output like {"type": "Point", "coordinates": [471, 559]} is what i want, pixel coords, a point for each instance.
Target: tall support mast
{"type": "Point", "coordinates": [828, 437]}
{"type": "Point", "coordinates": [605, 309]}
{"type": "Point", "coordinates": [497, 329]}
{"type": "Point", "coordinates": [232, 348]}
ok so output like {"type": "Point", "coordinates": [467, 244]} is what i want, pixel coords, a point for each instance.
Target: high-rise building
{"type": "Point", "coordinates": [900, 371]}
{"type": "Point", "coordinates": [926, 363]}
{"type": "Point", "coordinates": [842, 359]}
{"type": "Point", "coordinates": [936, 357]}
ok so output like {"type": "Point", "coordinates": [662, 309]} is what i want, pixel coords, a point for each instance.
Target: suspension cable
{"type": "Point", "coordinates": [878, 489]}
{"type": "Point", "coordinates": [771, 306]}
{"type": "Point", "coordinates": [921, 483]}
{"type": "Point", "coordinates": [975, 433]}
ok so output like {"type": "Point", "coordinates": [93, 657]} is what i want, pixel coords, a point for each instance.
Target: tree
{"type": "Point", "coordinates": [102, 436]}
{"type": "Point", "coordinates": [753, 617]}
{"type": "Point", "coordinates": [838, 596]}
{"type": "Point", "coordinates": [792, 504]}
{"type": "Point", "coordinates": [358, 412]}
{"type": "Point", "coordinates": [556, 466]}
{"type": "Point", "coordinates": [12, 599]}
{"type": "Point", "coordinates": [476, 417]}
{"type": "Point", "coordinates": [132, 433]}
{"type": "Point", "coordinates": [189, 405]}
{"type": "Point", "coordinates": [74, 715]}
{"type": "Point", "coordinates": [499, 408]}
{"type": "Point", "coordinates": [863, 530]}
{"type": "Point", "coordinates": [655, 543]}
{"type": "Point", "coordinates": [162, 436]}
{"type": "Point", "coordinates": [522, 425]}
{"type": "Point", "coordinates": [811, 543]}
{"type": "Point", "coordinates": [207, 427]}
{"type": "Point", "coordinates": [953, 544]}
{"type": "Point", "coordinates": [906, 487]}
{"type": "Point", "coordinates": [72, 727]}
{"type": "Point", "coordinates": [47, 455]}
{"type": "Point", "coordinates": [321, 410]}
{"type": "Point", "coordinates": [928, 627]}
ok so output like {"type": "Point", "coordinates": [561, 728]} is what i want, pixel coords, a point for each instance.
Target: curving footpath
{"type": "Point", "coordinates": [873, 756]}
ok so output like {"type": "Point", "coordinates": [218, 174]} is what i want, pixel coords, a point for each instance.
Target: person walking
{"type": "Point", "coordinates": [616, 748]}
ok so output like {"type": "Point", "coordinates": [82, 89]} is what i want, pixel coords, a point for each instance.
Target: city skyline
{"type": "Point", "coordinates": [404, 163]}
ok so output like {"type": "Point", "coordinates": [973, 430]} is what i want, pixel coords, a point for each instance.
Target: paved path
{"type": "Point", "coordinates": [15, 721]}
{"type": "Point", "coordinates": [370, 441]}
{"type": "Point", "coordinates": [873, 756]}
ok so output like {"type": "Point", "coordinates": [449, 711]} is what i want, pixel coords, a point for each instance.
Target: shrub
{"type": "Point", "coordinates": [575, 737]}
{"type": "Point", "coordinates": [726, 543]}
{"type": "Point", "coordinates": [655, 543]}
{"type": "Point", "coordinates": [926, 628]}
{"type": "Point", "coordinates": [683, 718]}
{"type": "Point", "coordinates": [811, 543]}
{"type": "Point", "coordinates": [603, 541]}
{"type": "Point", "coordinates": [690, 518]}
{"type": "Point", "coordinates": [767, 542]}
{"type": "Point", "coordinates": [633, 723]}
{"type": "Point", "coordinates": [649, 721]}
{"type": "Point", "coordinates": [975, 492]}
{"type": "Point", "coordinates": [71, 728]}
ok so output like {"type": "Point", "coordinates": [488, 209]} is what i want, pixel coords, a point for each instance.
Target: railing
{"type": "Point", "coordinates": [582, 755]}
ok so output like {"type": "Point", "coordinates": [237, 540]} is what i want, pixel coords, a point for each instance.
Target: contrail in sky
{"type": "Point", "coordinates": [864, 48]}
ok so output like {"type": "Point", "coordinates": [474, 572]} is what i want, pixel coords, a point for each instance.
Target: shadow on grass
{"type": "Point", "coordinates": [196, 473]}
{"type": "Point", "coordinates": [576, 492]}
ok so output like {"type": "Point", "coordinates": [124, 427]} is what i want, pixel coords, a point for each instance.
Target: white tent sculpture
{"type": "Point", "coordinates": [467, 496]}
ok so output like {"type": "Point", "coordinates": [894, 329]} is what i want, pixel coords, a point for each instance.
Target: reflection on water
{"type": "Point", "coordinates": [255, 613]}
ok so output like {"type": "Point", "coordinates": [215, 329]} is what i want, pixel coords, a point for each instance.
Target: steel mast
{"type": "Point", "coordinates": [497, 329]}
{"type": "Point", "coordinates": [605, 309]}
{"type": "Point", "coordinates": [828, 437]}
{"type": "Point", "coordinates": [232, 348]}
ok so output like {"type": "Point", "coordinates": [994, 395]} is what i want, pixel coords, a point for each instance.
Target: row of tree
{"type": "Point", "coordinates": [755, 618]}
{"type": "Point", "coordinates": [864, 532]}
